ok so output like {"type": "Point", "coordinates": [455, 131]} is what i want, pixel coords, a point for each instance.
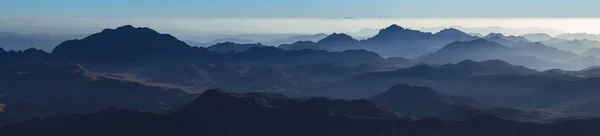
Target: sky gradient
{"type": "Point", "coordinates": [293, 16]}
{"type": "Point", "coordinates": [299, 8]}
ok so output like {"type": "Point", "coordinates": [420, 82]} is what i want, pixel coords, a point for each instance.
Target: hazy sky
{"type": "Point", "coordinates": [293, 16]}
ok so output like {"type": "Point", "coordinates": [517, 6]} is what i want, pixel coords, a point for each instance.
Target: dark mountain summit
{"type": "Point", "coordinates": [122, 44]}
{"type": "Point", "coordinates": [337, 41]}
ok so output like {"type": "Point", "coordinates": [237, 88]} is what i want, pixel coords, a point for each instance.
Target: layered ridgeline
{"type": "Point", "coordinates": [425, 102]}
{"type": "Point", "coordinates": [493, 81]}
{"type": "Point", "coordinates": [391, 41]}
{"type": "Point", "coordinates": [219, 113]}
{"type": "Point", "coordinates": [534, 55]}
{"type": "Point", "coordinates": [34, 90]}
{"type": "Point", "coordinates": [128, 44]}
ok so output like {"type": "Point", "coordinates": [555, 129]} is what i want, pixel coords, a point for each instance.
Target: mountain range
{"type": "Point", "coordinates": [459, 83]}
{"type": "Point", "coordinates": [216, 112]}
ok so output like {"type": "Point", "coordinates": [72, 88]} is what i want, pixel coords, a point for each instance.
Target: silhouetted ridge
{"type": "Point", "coordinates": [124, 43]}
{"type": "Point", "coordinates": [250, 115]}
{"type": "Point", "coordinates": [338, 42]}
{"type": "Point", "coordinates": [395, 32]}
{"type": "Point", "coordinates": [220, 101]}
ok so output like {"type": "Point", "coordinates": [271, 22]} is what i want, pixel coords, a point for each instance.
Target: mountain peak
{"type": "Point", "coordinates": [123, 43]}
{"type": "Point", "coordinates": [394, 27]}
{"type": "Point", "coordinates": [450, 30]}
{"type": "Point", "coordinates": [490, 35]}
{"type": "Point", "coordinates": [336, 38]}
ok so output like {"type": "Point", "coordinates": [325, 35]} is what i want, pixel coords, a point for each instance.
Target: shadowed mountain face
{"type": "Point", "coordinates": [220, 113]}
{"type": "Point", "coordinates": [32, 90]}
{"type": "Point", "coordinates": [485, 93]}
{"type": "Point", "coordinates": [425, 102]}
{"type": "Point", "coordinates": [411, 100]}
{"type": "Point", "coordinates": [125, 43]}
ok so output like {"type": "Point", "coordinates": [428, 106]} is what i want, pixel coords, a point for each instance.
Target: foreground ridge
{"type": "Point", "coordinates": [217, 112]}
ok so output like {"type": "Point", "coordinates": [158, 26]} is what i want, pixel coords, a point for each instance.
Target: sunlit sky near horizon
{"type": "Point", "coordinates": [294, 16]}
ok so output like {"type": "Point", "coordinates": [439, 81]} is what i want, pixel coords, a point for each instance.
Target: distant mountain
{"type": "Point", "coordinates": [478, 50]}
{"type": "Point", "coordinates": [396, 34]}
{"type": "Point", "coordinates": [537, 37]}
{"type": "Point", "coordinates": [576, 46]}
{"type": "Point", "coordinates": [219, 113]}
{"type": "Point", "coordinates": [579, 36]}
{"type": "Point", "coordinates": [584, 62]}
{"type": "Point", "coordinates": [26, 56]}
{"type": "Point", "coordinates": [124, 44]}
{"type": "Point", "coordinates": [364, 33]}
{"type": "Point", "coordinates": [453, 34]}
{"type": "Point", "coordinates": [594, 52]}
{"type": "Point", "coordinates": [485, 49]}
{"type": "Point", "coordinates": [46, 42]}
{"type": "Point", "coordinates": [434, 76]}
{"type": "Point", "coordinates": [275, 55]}
{"type": "Point", "coordinates": [300, 45]}
{"type": "Point", "coordinates": [500, 38]}
{"type": "Point", "coordinates": [293, 39]}
{"type": "Point", "coordinates": [544, 52]}
{"type": "Point", "coordinates": [32, 90]}
{"type": "Point", "coordinates": [402, 42]}
{"type": "Point", "coordinates": [338, 42]}
{"type": "Point", "coordinates": [232, 47]}
{"type": "Point", "coordinates": [534, 62]}
{"type": "Point", "coordinates": [224, 40]}
{"type": "Point", "coordinates": [537, 49]}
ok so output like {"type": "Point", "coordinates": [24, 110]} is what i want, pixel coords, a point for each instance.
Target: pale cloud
{"type": "Point", "coordinates": [202, 26]}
